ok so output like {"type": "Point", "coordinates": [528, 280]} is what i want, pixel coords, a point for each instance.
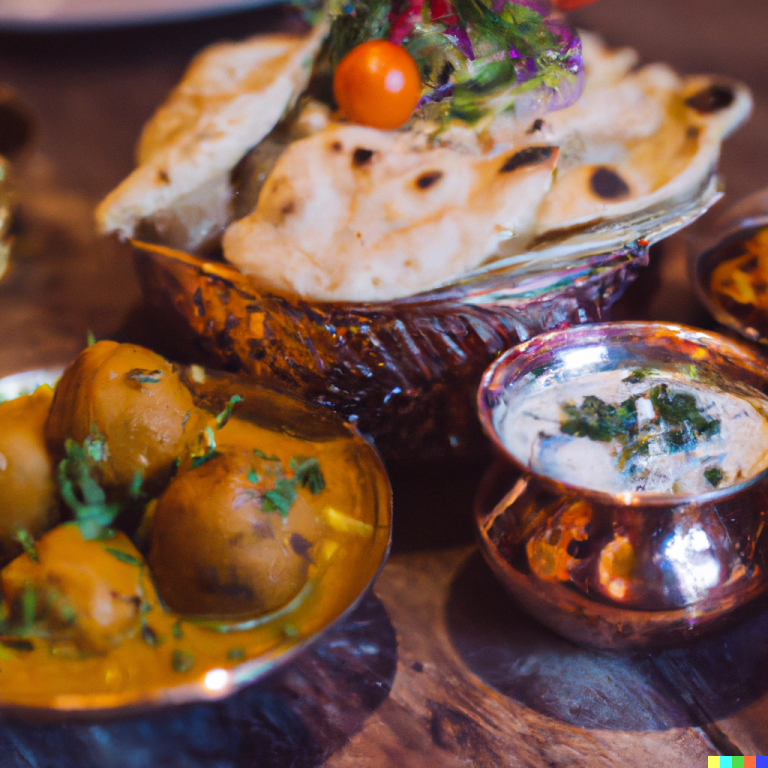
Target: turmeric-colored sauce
{"type": "Point", "coordinates": [128, 647]}
{"type": "Point", "coordinates": [739, 283]}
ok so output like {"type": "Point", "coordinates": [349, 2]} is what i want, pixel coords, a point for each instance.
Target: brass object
{"type": "Point", "coordinates": [632, 570]}
{"type": "Point", "coordinates": [129, 678]}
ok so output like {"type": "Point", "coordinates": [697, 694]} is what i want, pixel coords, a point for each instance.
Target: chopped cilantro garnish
{"type": "Point", "coordinates": [135, 491]}
{"type": "Point", "coordinates": [678, 424]}
{"type": "Point", "coordinates": [25, 540]}
{"type": "Point", "coordinates": [28, 608]}
{"type": "Point", "coordinates": [598, 420]}
{"type": "Point", "coordinates": [236, 654]}
{"type": "Point", "coordinates": [253, 477]}
{"type": "Point", "coordinates": [223, 417]}
{"type": "Point", "coordinates": [307, 474]}
{"type": "Point", "coordinates": [149, 636]}
{"type": "Point", "coordinates": [182, 661]}
{"type": "Point", "coordinates": [261, 455]}
{"type": "Point", "coordinates": [714, 476]}
{"type": "Point", "coordinates": [199, 459]}
{"type": "Point", "coordinates": [177, 631]}
{"type": "Point", "coordinates": [81, 493]}
{"type": "Point", "coordinates": [124, 557]}
{"type": "Point", "coordinates": [144, 376]}
{"type": "Point", "coordinates": [90, 339]}
{"type": "Point", "coordinates": [638, 375]}
{"type": "Point", "coordinates": [281, 498]}
{"type": "Point", "coordinates": [289, 630]}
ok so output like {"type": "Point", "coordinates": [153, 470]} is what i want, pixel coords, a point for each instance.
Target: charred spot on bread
{"type": "Point", "coordinates": [335, 146]}
{"type": "Point", "coordinates": [525, 157]}
{"type": "Point", "coordinates": [607, 184]}
{"type": "Point", "coordinates": [537, 125]}
{"type": "Point", "coordinates": [428, 179]}
{"type": "Point", "coordinates": [361, 157]}
{"type": "Point", "coordinates": [163, 177]}
{"type": "Point", "coordinates": [693, 132]}
{"type": "Point", "coordinates": [288, 208]}
{"type": "Point", "coordinates": [713, 98]}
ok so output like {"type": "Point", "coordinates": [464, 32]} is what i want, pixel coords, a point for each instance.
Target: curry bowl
{"type": "Point", "coordinates": [406, 371]}
{"type": "Point", "coordinates": [178, 659]}
{"type": "Point", "coordinates": [642, 565]}
{"type": "Point", "coordinates": [731, 270]}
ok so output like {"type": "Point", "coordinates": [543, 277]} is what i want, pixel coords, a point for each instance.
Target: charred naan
{"type": "Point", "coordinates": [358, 214]}
{"type": "Point", "coordinates": [231, 97]}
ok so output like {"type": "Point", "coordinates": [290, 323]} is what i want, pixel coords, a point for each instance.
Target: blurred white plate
{"type": "Point", "coordinates": [45, 15]}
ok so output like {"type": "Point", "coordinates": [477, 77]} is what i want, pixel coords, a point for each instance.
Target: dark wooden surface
{"type": "Point", "coordinates": [438, 668]}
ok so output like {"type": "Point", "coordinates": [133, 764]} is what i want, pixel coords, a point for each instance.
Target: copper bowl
{"type": "Point", "coordinates": [407, 371]}
{"type": "Point", "coordinates": [632, 570]}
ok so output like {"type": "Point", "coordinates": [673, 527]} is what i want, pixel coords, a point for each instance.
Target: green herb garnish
{"type": "Point", "coordinates": [177, 631]}
{"type": "Point", "coordinates": [81, 493]}
{"type": "Point", "coordinates": [149, 636]}
{"type": "Point", "coordinates": [684, 423]}
{"type": "Point", "coordinates": [90, 339]}
{"type": "Point", "coordinates": [600, 421]}
{"type": "Point", "coordinates": [223, 417]}
{"type": "Point", "coordinates": [638, 375]}
{"type": "Point", "coordinates": [281, 498]}
{"type": "Point", "coordinates": [253, 477]}
{"type": "Point", "coordinates": [236, 654]}
{"type": "Point", "coordinates": [200, 459]}
{"type": "Point", "coordinates": [714, 476]}
{"type": "Point", "coordinates": [123, 557]}
{"type": "Point", "coordinates": [26, 541]}
{"type": "Point", "coordinates": [261, 455]}
{"type": "Point", "coordinates": [307, 474]}
{"type": "Point", "coordinates": [144, 376]}
{"type": "Point", "coordinates": [182, 661]}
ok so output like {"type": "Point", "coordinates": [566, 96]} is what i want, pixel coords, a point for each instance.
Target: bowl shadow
{"type": "Point", "coordinates": [700, 683]}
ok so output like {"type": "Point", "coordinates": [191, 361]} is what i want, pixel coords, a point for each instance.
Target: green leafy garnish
{"type": "Point", "coordinates": [81, 493]}
{"type": "Point", "coordinates": [253, 477]}
{"type": "Point", "coordinates": [236, 654]}
{"type": "Point", "coordinates": [90, 339]}
{"type": "Point", "coordinates": [182, 661]}
{"type": "Point", "coordinates": [177, 631]}
{"type": "Point", "coordinates": [199, 459]}
{"type": "Point", "coordinates": [714, 476]}
{"type": "Point", "coordinates": [124, 557]}
{"type": "Point", "coordinates": [134, 491]}
{"type": "Point", "coordinates": [26, 541]}
{"type": "Point", "coordinates": [281, 498]}
{"type": "Point", "coordinates": [638, 375]}
{"type": "Point", "coordinates": [223, 417]}
{"type": "Point", "coordinates": [149, 636]}
{"type": "Point", "coordinates": [144, 376]}
{"type": "Point", "coordinates": [28, 608]}
{"type": "Point", "coordinates": [600, 421]}
{"type": "Point", "coordinates": [681, 416]}
{"type": "Point", "coordinates": [261, 455]}
{"type": "Point", "coordinates": [307, 474]}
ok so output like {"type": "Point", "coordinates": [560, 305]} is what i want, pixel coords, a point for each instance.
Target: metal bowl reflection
{"type": "Point", "coordinates": [633, 570]}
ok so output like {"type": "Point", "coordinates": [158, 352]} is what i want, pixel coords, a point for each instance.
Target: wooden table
{"type": "Point", "coordinates": [437, 668]}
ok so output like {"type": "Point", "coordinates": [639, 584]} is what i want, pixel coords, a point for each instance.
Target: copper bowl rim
{"type": "Point", "coordinates": [607, 331]}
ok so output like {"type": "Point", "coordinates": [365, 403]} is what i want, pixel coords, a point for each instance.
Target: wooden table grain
{"type": "Point", "coordinates": [437, 667]}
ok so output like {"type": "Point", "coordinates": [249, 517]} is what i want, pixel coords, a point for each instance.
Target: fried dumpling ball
{"type": "Point", "coordinates": [134, 399]}
{"type": "Point", "coordinates": [27, 489]}
{"type": "Point", "coordinates": [82, 593]}
{"type": "Point", "coordinates": [215, 551]}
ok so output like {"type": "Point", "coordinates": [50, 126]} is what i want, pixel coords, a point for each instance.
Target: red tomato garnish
{"type": "Point", "coordinates": [569, 5]}
{"type": "Point", "coordinates": [377, 84]}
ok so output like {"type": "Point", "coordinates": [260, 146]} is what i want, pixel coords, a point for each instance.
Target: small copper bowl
{"type": "Point", "coordinates": [632, 570]}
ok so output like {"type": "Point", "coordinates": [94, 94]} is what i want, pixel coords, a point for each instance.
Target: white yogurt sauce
{"type": "Point", "coordinates": [529, 424]}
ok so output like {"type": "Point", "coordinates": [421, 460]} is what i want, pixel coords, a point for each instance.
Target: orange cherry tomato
{"type": "Point", "coordinates": [569, 5]}
{"type": "Point", "coordinates": [377, 84]}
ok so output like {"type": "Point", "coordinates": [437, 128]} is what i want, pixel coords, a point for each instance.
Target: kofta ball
{"type": "Point", "coordinates": [136, 401]}
{"type": "Point", "coordinates": [216, 550]}
{"type": "Point", "coordinates": [27, 488]}
{"type": "Point", "coordinates": [85, 594]}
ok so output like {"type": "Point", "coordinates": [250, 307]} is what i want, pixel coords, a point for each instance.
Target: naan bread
{"type": "Point", "coordinates": [231, 97]}
{"type": "Point", "coordinates": [358, 214]}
